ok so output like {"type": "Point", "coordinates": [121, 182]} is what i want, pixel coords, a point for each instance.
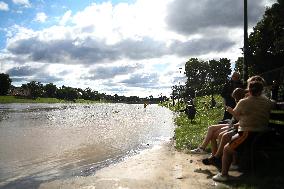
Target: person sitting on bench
{"type": "Point", "coordinates": [214, 130]}
{"type": "Point", "coordinates": [253, 115]}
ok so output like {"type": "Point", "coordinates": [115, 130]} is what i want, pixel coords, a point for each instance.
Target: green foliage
{"type": "Point", "coordinates": [50, 90]}
{"type": "Point", "coordinates": [196, 72]}
{"type": "Point", "coordinates": [5, 83]}
{"type": "Point", "coordinates": [206, 77]}
{"type": "Point", "coordinates": [35, 88]}
{"type": "Point", "coordinates": [189, 135]}
{"type": "Point", "coordinates": [67, 93]}
{"type": "Point", "coordinates": [89, 94]}
{"type": "Point", "coordinates": [266, 42]}
{"type": "Point", "coordinates": [219, 72]}
{"type": "Point", "coordinates": [13, 99]}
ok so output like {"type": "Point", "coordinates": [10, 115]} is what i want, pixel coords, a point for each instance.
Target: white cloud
{"type": "Point", "coordinates": [40, 17]}
{"type": "Point", "coordinates": [65, 18]}
{"type": "Point", "coordinates": [130, 49]}
{"type": "Point", "coordinates": [124, 21]}
{"type": "Point", "coordinates": [3, 6]}
{"type": "Point", "coordinates": [24, 3]}
{"type": "Point", "coordinates": [16, 33]}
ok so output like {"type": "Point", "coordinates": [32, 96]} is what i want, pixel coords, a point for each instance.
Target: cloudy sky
{"type": "Point", "coordinates": [124, 47]}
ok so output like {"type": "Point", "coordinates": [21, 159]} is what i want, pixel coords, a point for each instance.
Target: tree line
{"type": "Point", "coordinates": [203, 78]}
{"type": "Point", "coordinates": [35, 89]}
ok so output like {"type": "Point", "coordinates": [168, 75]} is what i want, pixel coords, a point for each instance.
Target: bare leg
{"type": "Point", "coordinates": [221, 135]}
{"type": "Point", "coordinates": [211, 130]}
{"type": "Point", "coordinates": [226, 137]}
{"type": "Point", "coordinates": [227, 159]}
{"type": "Point", "coordinates": [216, 134]}
{"type": "Point", "coordinates": [214, 146]}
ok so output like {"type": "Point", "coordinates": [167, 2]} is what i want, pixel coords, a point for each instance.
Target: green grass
{"type": "Point", "coordinates": [189, 134]}
{"type": "Point", "coordinates": [13, 99]}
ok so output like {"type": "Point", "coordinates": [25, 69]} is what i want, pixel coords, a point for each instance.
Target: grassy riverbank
{"type": "Point", "coordinates": [13, 99]}
{"type": "Point", "coordinates": [189, 134]}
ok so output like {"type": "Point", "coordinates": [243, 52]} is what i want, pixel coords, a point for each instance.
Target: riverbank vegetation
{"type": "Point", "coordinates": [189, 134]}
{"type": "Point", "coordinates": [14, 99]}
{"type": "Point", "coordinates": [35, 91]}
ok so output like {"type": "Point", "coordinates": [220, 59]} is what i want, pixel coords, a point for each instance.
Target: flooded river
{"type": "Point", "coordinates": [44, 142]}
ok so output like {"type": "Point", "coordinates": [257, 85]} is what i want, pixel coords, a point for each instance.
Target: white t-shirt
{"type": "Point", "coordinates": [254, 113]}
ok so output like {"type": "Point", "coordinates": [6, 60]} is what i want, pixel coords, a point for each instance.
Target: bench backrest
{"type": "Point", "coordinates": [276, 121]}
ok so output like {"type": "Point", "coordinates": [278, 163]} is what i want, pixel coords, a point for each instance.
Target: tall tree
{"type": "Point", "coordinates": [5, 83]}
{"type": "Point", "coordinates": [206, 77]}
{"type": "Point", "coordinates": [266, 42]}
{"type": "Point", "coordinates": [196, 72]}
{"type": "Point", "coordinates": [218, 73]}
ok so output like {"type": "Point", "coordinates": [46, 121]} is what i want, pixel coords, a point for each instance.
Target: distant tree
{"type": "Point", "coordinates": [175, 92]}
{"type": "Point", "coordinates": [218, 73]}
{"type": "Point", "coordinates": [116, 98]}
{"type": "Point", "coordinates": [196, 72]}
{"type": "Point", "coordinates": [204, 76]}
{"type": "Point", "coordinates": [151, 98]}
{"type": "Point", "coordinates": [36, 89]}
{"type": "Point", "coordinates": [67, 93]}
{"type": "Point", "coordinates": [80, 92]}
{"type": "Point", "coordinates": [87, 94]}
{"type": "Point", "coordinates": [239, 67]}
{"type": "Point", "coordinates": [5, 83]}
{"type": "Point", "coordinates": [50, 90]}
{"type": "Point", "coordinates": [133, 99]}
{"type": "Point", "coordinates": [96, 95]}
{"type": "Point", "coordinates": [189, 93]}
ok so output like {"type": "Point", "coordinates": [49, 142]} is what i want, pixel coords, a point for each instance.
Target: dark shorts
{"type": "Point", "coordinates": [245, 138]}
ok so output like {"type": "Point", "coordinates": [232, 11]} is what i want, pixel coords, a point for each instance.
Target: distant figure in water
{"type": "Point", "coordinates": [145, 104]}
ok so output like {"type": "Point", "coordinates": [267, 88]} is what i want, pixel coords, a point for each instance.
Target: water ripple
{"type": "Point", "coordinates": [41, 142]}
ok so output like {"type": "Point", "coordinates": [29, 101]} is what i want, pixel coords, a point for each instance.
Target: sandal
{"type": "Point", "coordinates": [213, 161]}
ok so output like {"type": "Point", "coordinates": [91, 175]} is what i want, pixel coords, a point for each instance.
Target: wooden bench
{"type": "Point", "coordinates": [266, 153]}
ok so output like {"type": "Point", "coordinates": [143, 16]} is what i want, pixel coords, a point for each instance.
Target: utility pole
{"type": "Point", "coordinates": [179, 87]}
{"type": "Point", "coordinates": [245, 64]}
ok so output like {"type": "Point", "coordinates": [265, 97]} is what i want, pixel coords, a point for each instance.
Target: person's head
{"type": "Point", "coordinates": [238, 94]}
{"type": "Point", "coordinates": [255, 88]}
{"type": "Point", "coordinates": [256, 78]}
{"type": "Point", "coordinates": [235, 76]}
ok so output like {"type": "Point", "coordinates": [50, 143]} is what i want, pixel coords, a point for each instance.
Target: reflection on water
{"type": "Point", "coordinates": [41, 142]}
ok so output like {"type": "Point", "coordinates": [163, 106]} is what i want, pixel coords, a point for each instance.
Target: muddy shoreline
{"type": "Point", "coordinates": [159, 167]}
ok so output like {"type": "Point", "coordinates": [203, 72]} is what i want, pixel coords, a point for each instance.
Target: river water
{"type": "Point", "coordinates": [44, 142]}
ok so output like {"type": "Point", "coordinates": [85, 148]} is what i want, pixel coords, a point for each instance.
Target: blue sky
{"type": "Point", "coordinates": [133, 47]}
